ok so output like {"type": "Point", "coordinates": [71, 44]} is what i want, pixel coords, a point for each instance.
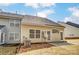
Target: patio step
{"type": "Point", "coordinates": [60, 43]}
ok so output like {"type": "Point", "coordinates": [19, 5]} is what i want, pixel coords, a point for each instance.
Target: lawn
{"type": "Point", "coordinates": [62, 50]}
{"type": "Point", "coordinates": [73, 41]}
{"type": "Point", "coordinates": [43, 49]}
{"type": "Point", "coordinates": [8, 50]}
{"type": "Point", "coordinates": [35, 47]}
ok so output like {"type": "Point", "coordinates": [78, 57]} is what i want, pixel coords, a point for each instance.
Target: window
{"type": "Point", "coordinates": [61, 33]}
{"type": "Point", "coordinates": [44, 34]}
{"type": "Point", "coordinates": [37, 33]}
{"type": "Point", "coordinates": [55, 31]}
{"type": "Point", "coordinates": [11, 36]}
{"type": "Point", "coordinates": [32, 33]}
{"type": "Point", "coordinates": [14, 23]}
{"type": "Point", "coordinates": [11, 24]}
{"type": "Point", "coordinates": [17, 24]}
{"type": "Point", "coordinates": [48, 32]}
{"type": "Point", "coordinates": [16, 35]}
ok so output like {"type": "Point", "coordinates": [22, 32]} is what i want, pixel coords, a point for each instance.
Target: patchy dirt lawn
{"type": "Point", "coordinates": [8, 50]}
{"type": "Point", "coordinates": [73, 41]}
{"type": "Point", "coordinates": [47, 49]}
{"type": "Point", "coordinates": [35, 47]}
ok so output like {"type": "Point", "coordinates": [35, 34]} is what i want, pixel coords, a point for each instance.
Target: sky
{"type": "Point", "coordinates": [54, 11]}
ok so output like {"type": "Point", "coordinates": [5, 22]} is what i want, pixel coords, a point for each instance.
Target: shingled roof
{"type": "Point", "coordinates": [10, 15]}
{"type": "Point", "coordinates": [73, 24]}
{"type": "Point", "coordinates": [35, 20]}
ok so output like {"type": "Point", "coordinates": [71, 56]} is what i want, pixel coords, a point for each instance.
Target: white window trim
{"type": "Point", "coordinates": [34, 33]}
{"type": "Point", "coordinates": [14, 21]}
{"type": "Point", "coordinates": [10, 21]}
{"type": "Point", "coordinates": [13, 35]}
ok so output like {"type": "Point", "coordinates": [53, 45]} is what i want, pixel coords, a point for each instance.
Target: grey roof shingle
{"type": "Point", "coordinates": [73, 24]}
{"type": "Point", "coordinates": [10, 15]}
{"type": "Point", "coordinates": [38, 21]}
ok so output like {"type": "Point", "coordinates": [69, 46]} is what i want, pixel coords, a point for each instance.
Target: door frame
{"type": "Point", "coordinates": [45, 34]}
{"type": "Point", "coordinates": [2, 39]}
{"type": "Point", "coordinates": [61, 34]}
{"type": "Point", "coordinates": [48, 35]}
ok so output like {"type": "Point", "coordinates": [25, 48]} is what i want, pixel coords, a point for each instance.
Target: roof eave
{"type": "Point", "coordinates": [43, 25]}
{"type": "Point", "coordinates": [10, 15]}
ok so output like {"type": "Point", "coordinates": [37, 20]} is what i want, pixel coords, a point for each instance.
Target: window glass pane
{"type": "Point", "coordinates": [11, 36]}
{"type": "Point", "coordinates": [17, 24]}
{"type": "Point", "coordinates": [31, 33]}
{"type": "Point", "coordinates": [48, 32]}
{"type": "Point", "coordinates": [11, 24]}
{"type": "Point", "coordinates": [37, 33]}
{"type": "Point", "coordinates": [16, 35]}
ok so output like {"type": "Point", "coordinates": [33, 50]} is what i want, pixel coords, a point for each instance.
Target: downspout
{"type": "Point", "coordinates": [20, 30]}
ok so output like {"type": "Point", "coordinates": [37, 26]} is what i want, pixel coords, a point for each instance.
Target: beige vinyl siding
{"type": "Point", "coordinates": [25, 32]}
{"type": "Point", "coordinates": [70, 31]}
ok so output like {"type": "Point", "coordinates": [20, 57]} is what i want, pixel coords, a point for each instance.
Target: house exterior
{"type": "Point", "coordinates": [71, 30]}
{"type": "Point", "coordinates": [37, 29]}
{"type": "Point", "coordinates": [10, 28]}
{"type": "Point", "coordinates": [15, 28]}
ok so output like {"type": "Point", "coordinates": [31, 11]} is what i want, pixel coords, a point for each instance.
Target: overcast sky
{"type": "Point", "coordinates": [53, 11]}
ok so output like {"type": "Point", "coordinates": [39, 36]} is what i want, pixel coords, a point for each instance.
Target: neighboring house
{"type": "Point", "coordinates": [71, 30]}
{"type": "Point", "coordinates": [15, 28]}
{"type": "Point", "coordinates": [39, 29]}
{"type": "Point", "coordinates": [10, 28]}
